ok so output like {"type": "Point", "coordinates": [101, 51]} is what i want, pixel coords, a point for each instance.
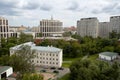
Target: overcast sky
{"type": "Point", "coordinates": [30, 12]}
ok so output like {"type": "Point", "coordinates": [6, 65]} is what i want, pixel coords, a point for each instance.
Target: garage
{"type": "Point", "coordinates": [5, 71]}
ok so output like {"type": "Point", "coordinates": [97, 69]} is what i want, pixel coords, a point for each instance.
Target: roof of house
{"type": "Point", "coordinates": [4, 68]}
{"type": "Point", "coordinates": [110, 54]}
{"type": "Point", "coordinates": [39, 48]}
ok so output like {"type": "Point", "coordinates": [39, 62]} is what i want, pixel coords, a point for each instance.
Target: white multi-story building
{"type": "Point", "coordinates": [104, 29]}
{"type": "Point", "coordinates": [51, 28]}
{"type": "Point", "coordinates": [45, 56]}
{"type": "Point", "coordinates": [88, 27]}
{"type": "Point", "coordinates": [115, 23]}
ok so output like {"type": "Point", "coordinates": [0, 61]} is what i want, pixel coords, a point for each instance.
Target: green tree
{"type": "Point", "coordinates": [21, 61]}
{"type": "Point", "coordinates": [25, 38]}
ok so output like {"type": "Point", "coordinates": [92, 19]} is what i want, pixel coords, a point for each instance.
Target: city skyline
{"type": "Point", "coordinates": [29, 13]}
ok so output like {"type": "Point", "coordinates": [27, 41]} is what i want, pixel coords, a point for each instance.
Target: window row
{"type": "Point", "coordinates": [49, 54]}
{"type": "Point", "coordinates": [47, 58]}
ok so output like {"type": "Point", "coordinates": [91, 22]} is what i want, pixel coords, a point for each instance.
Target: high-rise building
{"type": "Point", "coordinates": [115, 23]}
{"type": "Point", "coordinates": [88, 27]}
{"type": "Point", "coordinates": [4, 28]}
{"type": "Point", "coordinates": [104, 29]}
{"type": "Point", "coordinates": [51, 28]}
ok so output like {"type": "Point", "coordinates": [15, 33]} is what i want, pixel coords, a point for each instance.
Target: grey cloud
{"type": "Point", "coordinates": [7, 8]}
{"type": "Point", "coordinates": [46, 7]}
{"type": "Point", "coordinates": [31, 5]}
{"type": "Point", "coordinates": [73, 6]}
{"type": "Point", "coordinates": [112, 8]}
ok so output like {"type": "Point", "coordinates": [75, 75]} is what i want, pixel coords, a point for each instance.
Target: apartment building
{"type": "Point", "coordinates": [88, 27]}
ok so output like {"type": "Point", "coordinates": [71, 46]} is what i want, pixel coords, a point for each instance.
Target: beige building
{"type": "Point", "coordinates": [17, 28]}
{"type": "Point", "coordinates": [104, 29]}
{"type": "Point", "coordinates": [88, 27]}
{"type": "Point", "coordinates": [51, 28]}
{"type": "Point", "coordinates": [4, 28]}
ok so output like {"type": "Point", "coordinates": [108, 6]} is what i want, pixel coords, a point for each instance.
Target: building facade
{"type": "Point", "coordinates": [88, 27]}
{"type": "Point", "coordinates": [104, 29]}
{"type": "Point", "coordinates": [115, 23]}
{"type": "Point", "coordinates": [109, 56]}
{"type": "Point", "coordinates": [5, 71]}
{"type": "Point", "coordinates": [4, 28]}
{"type": "Point", "coordinates": [51, 28]}
{"type": "Point", "coordinates": [45, 56]}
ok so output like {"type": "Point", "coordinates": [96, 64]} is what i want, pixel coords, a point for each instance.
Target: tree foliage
{"type": "Point", "coordinates": [94, 70]}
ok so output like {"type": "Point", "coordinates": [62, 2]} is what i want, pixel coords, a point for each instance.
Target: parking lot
{"type": "Point", "coordinates": [53, 72]}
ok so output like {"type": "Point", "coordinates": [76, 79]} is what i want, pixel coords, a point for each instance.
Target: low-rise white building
{"type": "Point", "coordinates": [109, 56]}
{"type": "Point", "coordinates": [5, 71]}
{"type": "Point", "coordinates": [45, 56]}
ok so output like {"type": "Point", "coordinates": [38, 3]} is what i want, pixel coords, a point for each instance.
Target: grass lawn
{"type": "Point", "coordinates": [67, 61]}
{"type": "Point", "coordinates": [93, 57]}
{"type": "Point", "coordinates": [70, 60]}
{"type": "Point", "coordinates": [65, 77]}
{"type": "Point", "coordinates": [66, 65]}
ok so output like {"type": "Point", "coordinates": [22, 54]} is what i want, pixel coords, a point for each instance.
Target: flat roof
{"type": "Point", "coordinates": [4, 68]}
{"type": "Point", "coordinates": [47, 49]}
{"type": "Point", "coordinates": [39, 48]}
{"type": "Point", "coordinates": [110, 54]}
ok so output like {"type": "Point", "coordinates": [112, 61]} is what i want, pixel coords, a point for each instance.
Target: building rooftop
{"type": "Point", "coordinates": [4, 68]}
{"type": "Point", "coordinates": [110, 54]}
{"type": "Point", "coordinates": [47, 49]}
{"type": "Point", "coordinates": [39, 48]}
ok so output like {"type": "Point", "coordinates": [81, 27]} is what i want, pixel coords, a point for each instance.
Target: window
{"type": "Point", "coordinates": [53, 54]}
{"type": "Point", "coordinates": [37, 61]}
{"type": "Point", "coordinates": [50, 54]}
{"type": "Point", "coordinates": [53, 58]}
{"type": "Point", "coordinates": [50, 58]}
{"type": "Point", "coordinates": [56, 63]}
{"type": "Point", "coordinates": [40, 61]}
{"type": "Point", "coordinates": [56, 59]}
{"type": "Point", "coordinates": [53, 62]}
{"type": "Point", "coordinates": [56, 54]}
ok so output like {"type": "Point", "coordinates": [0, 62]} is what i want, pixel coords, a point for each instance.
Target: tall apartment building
{"type": "Point", "coordinates": [88, 27]}
{"type": "Point", "coordinates": [104, 29]}
{"type": "Point", "coordinates": [51, 28]}
{"type": "Point", "coordinates": [4, 28]}
{"type": "Point", "coordinates": [115, 23]}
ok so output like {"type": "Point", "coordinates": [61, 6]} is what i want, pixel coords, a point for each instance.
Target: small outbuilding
{"type": "Point", "coordinates": [109, 56]}
{"type": "Point", "coordinates": [5, 71]}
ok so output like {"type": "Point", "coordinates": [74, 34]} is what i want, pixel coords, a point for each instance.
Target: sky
{"type": "Point", "coordinates": [30, 12]}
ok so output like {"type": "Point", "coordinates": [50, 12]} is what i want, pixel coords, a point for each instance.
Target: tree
{"type": "Point", "coordinates": [21, 60]}
{"type": "Point", "coordinates": [94, 70]}
{"type": "Point", "coordinates": [25, 38]}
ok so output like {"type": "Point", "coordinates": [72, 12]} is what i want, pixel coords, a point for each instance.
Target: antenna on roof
{"type": "Point", "coordinates": [51, 17]}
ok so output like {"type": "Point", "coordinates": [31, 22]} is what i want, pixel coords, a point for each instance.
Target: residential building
{"type": "Point", "coordinates": [109, 56]}
{"type": "Point", "coordinates": [115, 23]}
{"type": "Point", "coordinates": [5, 71]}
{"type": "Point", "coordinates": [45, 56]}
{"type": "Point", "coordinates": [88, 27]}
{"type": "Point", "coordinates": [51, 28]}
{"type": "Point", "coordinates": [104, 29]}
